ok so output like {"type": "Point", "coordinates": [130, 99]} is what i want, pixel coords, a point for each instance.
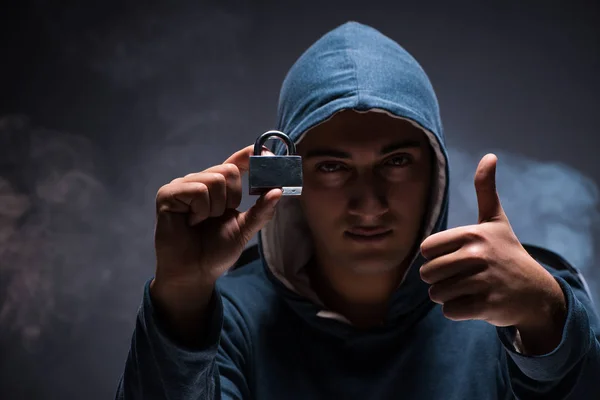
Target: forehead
{"type": "Point", "coordinates": [349, 129]}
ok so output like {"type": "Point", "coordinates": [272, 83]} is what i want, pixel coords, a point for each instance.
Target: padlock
{"type": "Point", "coordinates": [270, 172]}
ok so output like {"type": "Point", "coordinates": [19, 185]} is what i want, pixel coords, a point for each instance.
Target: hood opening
{"type": "Point", "coordinates": [286, 239]}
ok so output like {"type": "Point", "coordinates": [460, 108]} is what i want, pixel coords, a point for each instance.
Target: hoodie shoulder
{"type": "Point", "coordinates": [248, 289]}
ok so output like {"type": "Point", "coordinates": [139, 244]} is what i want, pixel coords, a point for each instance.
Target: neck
{"type": "Point", "coordinates": [361, 297]}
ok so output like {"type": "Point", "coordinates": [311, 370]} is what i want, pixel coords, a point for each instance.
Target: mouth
{"type": "Point", "coordinates": [368, 234]}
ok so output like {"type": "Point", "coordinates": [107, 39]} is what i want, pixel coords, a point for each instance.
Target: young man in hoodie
{"type": "Point", "coordinates": [361, 291]}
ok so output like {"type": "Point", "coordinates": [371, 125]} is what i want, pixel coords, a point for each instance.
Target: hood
{"type": "Point", "coordinates": [351, 67]}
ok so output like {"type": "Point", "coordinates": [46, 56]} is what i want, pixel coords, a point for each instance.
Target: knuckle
{"type": "Point", "coordinates": [231, 171]}
{"type": "Point", "coordinates": [494, 299]}
{"type": "Point", "coordinates": [424, 273]}
{"type": "Point", "coordinates": [201, 188]}
{"type": "Point", "coordinates": [244, 237]}
{"type": "Point", "coordinates": [476, 253]}
{"type": "Point", "coordinates": [473, 234]}
{"type": "Point", "coordinates": [218, 179]}
{"type": "Point", "coordinates": [424, 248]}
{"type": "Point", "coordinates": [164, 196]}
{"type": "Point", "coordinates": [200, 198]}
{"type": "Point", "coordinates": [433, 293]}
{"type": "Point", "coordinates": [449, 310]}
{"type": "Point", "coordinates": [162, 193]}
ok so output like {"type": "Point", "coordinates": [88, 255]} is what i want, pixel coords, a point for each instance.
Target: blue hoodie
{"type": "Point", "coordinates": [271, 337]}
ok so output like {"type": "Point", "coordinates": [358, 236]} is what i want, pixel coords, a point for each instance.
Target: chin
{"type": "Point", "coordinates": [374, 263]}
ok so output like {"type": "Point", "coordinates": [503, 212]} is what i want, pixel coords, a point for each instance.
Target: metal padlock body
{"type": "Point", "coordinates": [270, 172]}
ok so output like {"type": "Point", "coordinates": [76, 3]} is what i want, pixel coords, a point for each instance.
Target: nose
{"type": "Point", "coordinates": [367, 198]}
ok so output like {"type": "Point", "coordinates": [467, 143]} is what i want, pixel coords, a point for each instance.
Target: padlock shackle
{"type": "Point", "coordinates": [291, 146]}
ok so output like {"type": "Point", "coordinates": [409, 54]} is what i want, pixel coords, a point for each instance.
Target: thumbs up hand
{"type": "Point", "coordinates": [483, 272]}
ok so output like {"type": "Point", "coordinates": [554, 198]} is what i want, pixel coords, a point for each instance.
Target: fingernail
{"type": "Point", "coordinates": [266, 151]}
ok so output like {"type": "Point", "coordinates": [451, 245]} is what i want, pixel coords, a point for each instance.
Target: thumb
{"type": "Point", "coordinates": [488, 201]}
{"type": "Point", "coordinates": [259, 214]}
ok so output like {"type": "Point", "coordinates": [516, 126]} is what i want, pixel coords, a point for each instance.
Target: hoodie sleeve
{"type": "Point", "coordinates": [571, 370]}
{"type": "Point", "coordinates": [158, 368]}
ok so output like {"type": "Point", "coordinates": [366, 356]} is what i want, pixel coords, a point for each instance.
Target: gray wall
{"type": "Point", "coordinates": [101, 103]}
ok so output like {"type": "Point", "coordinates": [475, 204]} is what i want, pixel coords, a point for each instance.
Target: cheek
{"type": "Point", "coordinates": [409, 199]}
{"type": "Point", "coordinates": [321, 206]}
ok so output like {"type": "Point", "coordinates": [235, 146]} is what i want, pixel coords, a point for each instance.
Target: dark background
{"type": "Point", "coordinates": [103, 102]}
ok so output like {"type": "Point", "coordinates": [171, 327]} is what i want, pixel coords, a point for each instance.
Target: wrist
{"type": "Point", "coordinates": [541, 332]}
{"type": "Point", "coordinates": [181, 298]}
{"type": "Point", "coordinates": [183, 311]}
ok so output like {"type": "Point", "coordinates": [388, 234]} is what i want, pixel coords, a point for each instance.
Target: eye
{"type": "Point", "coordinates": [399, 160]}
{"type": "Point", "coordinates": [330, 167]}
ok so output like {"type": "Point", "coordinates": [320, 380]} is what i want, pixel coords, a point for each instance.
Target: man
{"type": "Point", "coordinates": [360, 291]}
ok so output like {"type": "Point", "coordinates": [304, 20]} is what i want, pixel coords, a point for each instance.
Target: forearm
{"type": "Point", "coordinates": [158, 367]}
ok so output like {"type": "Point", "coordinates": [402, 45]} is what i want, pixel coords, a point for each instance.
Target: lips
{"type": "Point", "coordinates": [368, 230]}
{"type": "Point", "coordinates": [361, 232]}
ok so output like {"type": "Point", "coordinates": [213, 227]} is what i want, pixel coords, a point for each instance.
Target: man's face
{"type": "Point", "coordinates": [366, 189]}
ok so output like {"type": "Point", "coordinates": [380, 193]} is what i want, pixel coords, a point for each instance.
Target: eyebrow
{"type": "Point", "coordinates": [335, 153]}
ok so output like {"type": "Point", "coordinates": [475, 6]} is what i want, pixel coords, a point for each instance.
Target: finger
{"type": "Point", "coordinates": [241, 158]}
{"type": "Point", "coordinates": [457, 286]}
{"type": "Point", "coordinates": [465, 308]}
{"type": "Point", "coordinates": [201, 199]}
{"type": "Point", "coordinates": [259, 214]}
{"type": "Point", "coordinates": [233, 182]}
{"type": "Point", "coordinates": [446, 242]}
{"type": "Point", "coordinates": [217, 190]}
{"type": "Point", "coordinates": [488, 201]}
{"type": "Point", "coordinates": [460, 262]}
{"type": "Point", "coordinates": [184, 197]}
